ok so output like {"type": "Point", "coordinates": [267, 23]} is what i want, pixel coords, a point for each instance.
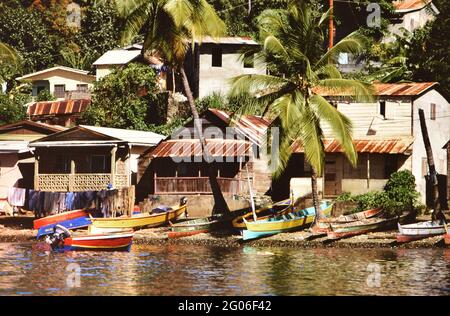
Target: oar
{"type": "Point", "coordinates": [252, 202]}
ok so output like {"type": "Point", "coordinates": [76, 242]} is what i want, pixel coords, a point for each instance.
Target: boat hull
{"type": "Point", "coordinates": [239, 221]}
{"type": "Point", "coordinates": [139, 221]}
{"type": "Point", "coordinates": [55, 219]}
{"type": "Point", "coordinates": [195, 226]}
{"type": "Point", "coordinates": [407, 238]}
{"type": "Point", "coordinates": [106, 242]}
{"type": "Point", "coordinates": [69, 224]}
{"type": "Point", "coordinates": [447, 239]}
{"type": "Point", "coordinates": [428, 228]}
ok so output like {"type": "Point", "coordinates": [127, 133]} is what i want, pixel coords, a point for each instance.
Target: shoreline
{"type": "Point", "coordinates": [158, 236]}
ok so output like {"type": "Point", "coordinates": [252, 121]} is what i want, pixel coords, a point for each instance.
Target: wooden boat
{"type": "Point", "coordinates": [342, 230]}
{"type": "Point", "coordinates": [283, 223]}
{"type": "Point", "coordinates": [74, 223]}
{"type": "Point", "coordinates": [271, 209]}
{"type": "Point", "coordinates": [54, 219]}
{"type": "Point", "coordinates": [194, 226]}
{"type": "Point", "coordinates": [419, 231]}
{"type": "Point", "coordinates": [92, 230]}
{"type": "Point", "coordinates": [447, 239]}
{"type": "Point", "coordinates": [323, 225]}
{"type": "Point", "coordinates": [110, 242]}
{"type": "Point", "coordinates": [143, 219]}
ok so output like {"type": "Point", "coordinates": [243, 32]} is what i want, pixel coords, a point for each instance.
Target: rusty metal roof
{"type": "Point", "coordinates": [378, 146]}
{"type": "Point", "coordinates": [192, 147]}
{"type": "Point", "coordinates": [251, 126]}
{"type": "Point", "coordinates": [410, 5]}
{"type": "Point", "coordinates": [385, 89]}
{"type": "Point", "coordinates": [58, 107]}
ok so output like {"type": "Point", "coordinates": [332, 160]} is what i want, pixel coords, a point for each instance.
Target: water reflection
{"type": "Point", "coordinates": [28, 269]}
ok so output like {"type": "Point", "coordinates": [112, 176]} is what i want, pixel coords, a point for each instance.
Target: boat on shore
{"type": "Point", "coordinates": [61, 217]}
{"type": "Point", "coordinates": [194, 226]}
{"type": "Point", "coordinates": [419, 231]}
{"type": "Point", "coordinates": [75, 223]}
{"type": "Point", "coordinates": [447, 239]}
{"type": "Point", "coordinates": [159, 216]}
{"type": "Point", "coordinates": [290, 221]}
{"type": "Point", "coordinates": [323, 225]}
{"type": "Point", "coordinates": [343, 230]}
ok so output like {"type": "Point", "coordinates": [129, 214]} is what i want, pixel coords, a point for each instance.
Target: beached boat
{"type": "Point", "coordinates": [74, 223]}
{"type": "Point", "coordinates": [57, 218]}
{"type": "Point", "coordinates": [283, 223]}
{"type": "Point", "coordinates": [272, 209]}
{"type": "Point", "coordinates": [323, 225]}
{"type": "Point", "coordinates": [342, 230]}
{"type": "Point", "coordinates": [158, 217]}
{"type": "Point", "coordinates": [447, 239]}
{"type": "Point", "coordinates": [194, 226]}
{"type": "Point", "coordinates": [421, 230]}
{"type": "Point", "coordinates": [63, 240]}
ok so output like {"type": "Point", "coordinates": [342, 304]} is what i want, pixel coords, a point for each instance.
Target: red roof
{"type": "Point", "coordinates": [404, 5]}
{"type": "Point", "coordinates": [192, 147]}
{"type": "Point", "coordinates": [58, 107]}
{"type": "Point", "coordinates": [385, 89]}
{"type": "Point", "coordinates": [378, 146]}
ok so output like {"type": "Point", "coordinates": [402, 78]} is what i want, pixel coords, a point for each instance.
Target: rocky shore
{"type": "Point", "coordinates": [19, 229]}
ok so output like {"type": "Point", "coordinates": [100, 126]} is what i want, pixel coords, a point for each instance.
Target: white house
{"type": "Point", "coordinates": [63, 82]}
{"type": "Point", "coordinates": [387, 137]}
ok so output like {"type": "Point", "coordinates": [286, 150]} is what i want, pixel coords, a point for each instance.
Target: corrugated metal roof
{"type": "Point", "coordinates": [73, 70]}
{"type": "Point", "coordinates": [410, 5]}
{"type": "Point", "coordinates": [63, 107]}
{"type": "Point", "coordinates": [13, 146]}
{"type": "Point", "coordinates": [251, 126]}
{"type": "Point", "coordinates": [378, 146]}
{"type": "Point", "coordinates": [24, 123]}
{"type": "Point", "coordinates": [117, 57]}
{"type": "Point", "coordinates": [239, 40]}
{"type": "Point", "coordinates": [127, 135]}
{"type": "Point", "coordinates": [385, 89]}
{"type": "Point", "coordinates": [192, 147]}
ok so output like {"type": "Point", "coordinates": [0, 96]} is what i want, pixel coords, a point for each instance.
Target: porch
{"type": "Point", "coordinates": [197, 185]}
{"type": "Point", "coordinates": [80, 182]}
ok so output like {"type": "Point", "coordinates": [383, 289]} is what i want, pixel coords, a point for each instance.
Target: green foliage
{"type": "Point", "coordinates": [12, 109]}
{"type": "Point", "coordinates": [45, 95]}
{"type": "Point", "coordinates": [399, 196]}
{"type": "Point", "coordinates": [122, 98]}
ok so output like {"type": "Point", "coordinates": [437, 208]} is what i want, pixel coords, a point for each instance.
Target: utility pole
{"type": "Point", "coordinates": [331, 26]}
{"type": "Point", "coordinates": [430, 160]}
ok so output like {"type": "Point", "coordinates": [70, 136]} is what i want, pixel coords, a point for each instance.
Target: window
{"type": "Point", "coordinates": [82, 87]}
{"type": "Point", "coordinates": [433, 111]}
{"type": "Point", "coordinates": [390, 165]}
{"type": "Point", "coordinates": [62, 164]}
{"type": "Point", "coordinates": [249, 60]}
{"type": "Point", "coordinates": [99, 164]}
{"type": "Point", "coordinates": [60, 90]}
{"type": "Point", "coordinates": [383, 109]}
{"type": "Point", "coordinates": [217, 57]}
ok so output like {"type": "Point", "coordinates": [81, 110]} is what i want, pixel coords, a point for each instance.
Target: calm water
{"type": "Point", "coordinates": [26, 269]}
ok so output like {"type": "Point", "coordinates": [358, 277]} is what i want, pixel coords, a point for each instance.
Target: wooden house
{"type": "Point", "coordinates": [87, 158]}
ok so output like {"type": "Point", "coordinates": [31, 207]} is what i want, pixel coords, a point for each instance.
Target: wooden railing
{"type": "Point", "coordinates": [79, 182]}
{"type": "Point", "coordinates": [197, 185]}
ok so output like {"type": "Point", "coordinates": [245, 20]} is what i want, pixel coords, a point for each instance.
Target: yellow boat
{"type": "Point", "coordinates": [283, 223]}
{"type": "Point", "coordinates": [142, 220]}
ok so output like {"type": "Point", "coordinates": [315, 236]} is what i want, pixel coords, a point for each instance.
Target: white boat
{"type": "Point", "coordinates": [420, 230]}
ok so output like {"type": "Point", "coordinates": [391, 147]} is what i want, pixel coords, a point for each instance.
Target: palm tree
{"type": "Point", "coordinates": [171, 28]}
{"type": "Point", "coordinates": [8, 59]}
{"type": "Point", "coordinates": [292, 41]}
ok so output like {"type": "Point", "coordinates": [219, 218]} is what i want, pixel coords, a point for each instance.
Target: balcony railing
{"type": "Point", "coordinates": [197, 185]}
{"type": "Point", "coordinates": [79, 182]}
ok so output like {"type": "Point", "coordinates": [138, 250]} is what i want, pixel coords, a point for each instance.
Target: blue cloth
{"type": "Point", "coordinates": [69, 200]}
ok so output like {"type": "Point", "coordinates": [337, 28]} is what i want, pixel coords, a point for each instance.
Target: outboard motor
{"type": "Point", "coordinates": [56, 240]}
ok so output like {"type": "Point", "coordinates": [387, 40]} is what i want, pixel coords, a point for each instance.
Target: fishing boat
{"type": "Point", "coordinates": [57, 218]}
{"type": "Point", "coordinates": [75, 223]}
{"type": "Point", "coordinates": [419, 231]}
{"type": "Point", "coordinates": [342, 230]}
{"type": "Point", "coordinates": [62, 240]}
{"type": "Point", "coordinates": [158, 217]}
{"type": "Point", "coordinates": [272, 209]}
{"type": "Point", "coordinates": [194, 226]}
{"type": "Point", "coordinates": [283, 223]}
{"type": "Point", "coordinates": [323, 224]}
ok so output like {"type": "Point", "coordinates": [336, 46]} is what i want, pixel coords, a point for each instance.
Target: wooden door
{"type": "Point", "coordinates": [333, 175]}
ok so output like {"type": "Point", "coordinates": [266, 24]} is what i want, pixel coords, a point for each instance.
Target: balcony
{"type": "Point", "coordinates": [79, 182]}
{"type": "Point", "coordinates": [197, 185]}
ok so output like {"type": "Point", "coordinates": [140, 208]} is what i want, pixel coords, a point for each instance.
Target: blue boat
{"type": "Point", "coordinates": [69, 224]}
{"type": "Point", "coordinates": [283, 223]}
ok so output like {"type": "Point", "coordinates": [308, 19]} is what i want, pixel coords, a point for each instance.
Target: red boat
{"type": "Point", "coordinates": [447, 239]}
{"type": "Point", "coordinates": [57, 218]}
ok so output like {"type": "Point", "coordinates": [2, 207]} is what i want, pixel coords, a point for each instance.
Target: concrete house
{"type": "Point", "coordinates": [89, 158]}
{"type": "Point", "coordinates": [387, 137]}
{"type": "Point", "coordinates": [62, 82]}
{"type": "Point", "coordinates": [16, 159]}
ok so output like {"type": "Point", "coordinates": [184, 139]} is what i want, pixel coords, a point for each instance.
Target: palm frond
{"type": "Point", "coordinates": [256, 84]}
{"type": "Point", "coordinates": [353, 43]}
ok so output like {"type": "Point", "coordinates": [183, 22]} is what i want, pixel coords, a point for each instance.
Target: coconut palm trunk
{"type": "Point", "coordinates": [315, 195]}
{"type": "Point", "coordinates": [220, 203]}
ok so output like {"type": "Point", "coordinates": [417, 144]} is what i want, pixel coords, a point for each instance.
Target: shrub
{"type": "Point", "coordinates": [45, 95]}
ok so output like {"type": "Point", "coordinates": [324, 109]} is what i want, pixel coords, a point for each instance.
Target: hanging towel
{"type": "Point", "coordinates": [16, 196]}
{"type": "Point", "coordinates": [69, 200]}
